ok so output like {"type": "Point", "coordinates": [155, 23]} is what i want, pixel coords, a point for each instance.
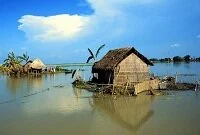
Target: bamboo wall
{"type": "Point", "coordinates": [132, 69]}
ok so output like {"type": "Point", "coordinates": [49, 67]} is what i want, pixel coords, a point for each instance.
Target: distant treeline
{"type": "Point", "coordinates": [186, 58]}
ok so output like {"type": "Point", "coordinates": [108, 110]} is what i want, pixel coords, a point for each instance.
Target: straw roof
{"type": "Point", "coordinates": [37, 64]}
{"type": "Point", "coordinates": [27, 65]}
{"type": "Point", "coordinates": [114, 57]}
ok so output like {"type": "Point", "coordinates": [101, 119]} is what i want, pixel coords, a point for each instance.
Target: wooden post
{"type": "Point", "coordinates": [135, 92]}
{"type": "Point", "coordinates": [176, 77]}
{"type": "Point", "coordinates": [126, 89]}
{"type": "Point", "coordinates": [109, 78]}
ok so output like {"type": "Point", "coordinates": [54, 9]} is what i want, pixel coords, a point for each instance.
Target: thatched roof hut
{"type": "Point", "coordinates": [122, 65]}
{"type": "Point", "coordinates": [37, 64]}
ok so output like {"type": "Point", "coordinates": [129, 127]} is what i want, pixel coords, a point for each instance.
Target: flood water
{"type": "Point", "coordinates": [49, 105]}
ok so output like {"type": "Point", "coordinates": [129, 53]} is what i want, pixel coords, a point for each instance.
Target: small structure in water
{"type": "Point", "coordinates": [35, 66]}
{"type": "Point", "coordinates": [126, 71]}
{"type": "Point", "coordinates": [121, 66]}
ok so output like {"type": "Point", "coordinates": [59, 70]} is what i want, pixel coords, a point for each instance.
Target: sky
{"type": "Point", "coordinates": [60, 31]}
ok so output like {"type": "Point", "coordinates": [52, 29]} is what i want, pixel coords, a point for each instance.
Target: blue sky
{"type": "Point", "coordinates": [60, 31]}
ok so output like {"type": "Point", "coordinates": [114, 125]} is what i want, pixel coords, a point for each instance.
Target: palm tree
{"type": "Point", "coordinates": [24, 57]}
{"type": "Point", "coordinates": [12, 62]}
{"type": "Point", "coordinates": [92, 56]}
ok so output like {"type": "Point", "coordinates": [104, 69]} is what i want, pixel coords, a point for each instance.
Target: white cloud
{"type": "Point", "coordinates": [108, 16]}
{"type": "Point", "coordinates": [52, 28]}
{"type": "Point", "coordinates": [175, 45]}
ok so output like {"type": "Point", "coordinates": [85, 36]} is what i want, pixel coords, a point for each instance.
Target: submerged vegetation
{"type": "Point", "coordinates": [3, 69]}
{"type": "Point", "coordinates": [21, 65]}
{"type": "Point", "coordinates": [13, 64]}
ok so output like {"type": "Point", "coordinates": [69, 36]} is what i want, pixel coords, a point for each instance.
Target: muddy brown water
{"type": "Point", "coordinates": [50, 105]}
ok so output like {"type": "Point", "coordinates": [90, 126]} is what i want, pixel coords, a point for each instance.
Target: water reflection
{"type": "Point", "coordinates": [129, 112]}
{"type": "Point", "coordinates": [177, 64]}
{"type": "Point", "coordinates": [77, 92]}
{"type": "Point", "coordinates": [52, 76]}
{"type": "Point", "coordinates": [13, 84]}
{"type": "Point", "coordinates": [36, 82]}
{"type": "Point", "coordinates": [54, 101]}
{"type": "Point", "coordinates": [19, 85]}
{"type": "Point", "coordinates": [187, 65]}
{"type": "Point", "coordinates": [65, 110]}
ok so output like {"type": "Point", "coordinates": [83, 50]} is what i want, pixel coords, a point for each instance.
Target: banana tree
{"type": "Point", "coordinates": [12, 62]}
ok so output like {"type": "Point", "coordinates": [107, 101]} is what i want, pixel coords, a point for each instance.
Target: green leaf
{"type": "Point", "coordinates": [91, 53]}
{"type": "Point", "coordinates": [89, 58]}
{"type": "Point", "coordinates": [98, 51]}
{"type": "Point", "coordinates": [73, 73]}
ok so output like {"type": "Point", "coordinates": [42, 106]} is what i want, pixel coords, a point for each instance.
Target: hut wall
{"type": "Point", "coordinates": [132, 69]}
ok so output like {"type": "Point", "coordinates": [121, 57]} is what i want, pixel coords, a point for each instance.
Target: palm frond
{"type": "Point", "coordinates": [99, 50]}
{"type": "Point", "coordinates": [9, 56]}
{"type": "Point", "coordinates": [73, 73]}
{"type": "Point", "coordinates": [24, 55]}
{"type": "Point", "coordinates": [27, 58]}
{"type": "Point", "coordinates": [89, 58]}
{"type": "Point", "coordinates": [91, 53]}
{"type": "Point", "coordinates": [18, 61]}
{"type": "Point", "coordinates": [6, 60]}
{"type": "Point", "coordinates": [5, 65]}
{"type": "Point", "coordinates": [12, 55]}
{"type": "Point", "coordinates": [21, 57]}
